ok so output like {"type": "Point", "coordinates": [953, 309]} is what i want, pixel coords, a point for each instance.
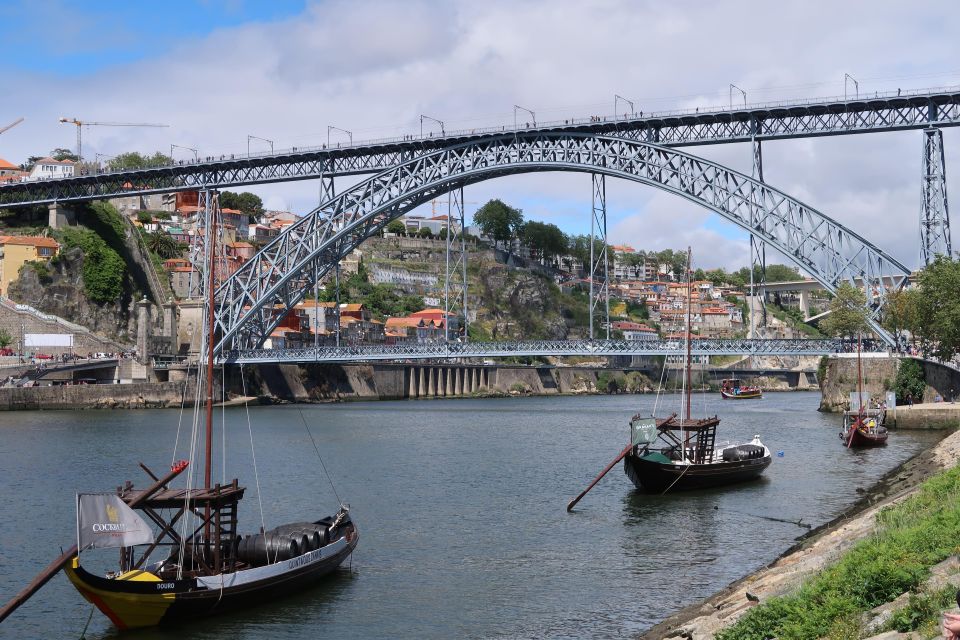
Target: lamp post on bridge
{"type": "Point", "coordinates": [249, 138]}
{"type": "Point", "coordinates": [856, 86]}
{"type": "Point", "coordinates": [196, 154]}
{"type": "Point", "coordinates": [439, 122]}
{"type": "Point", "coordinates": [618, 98]}
{"type": "Point", "coordinates": [732, 87]}
{"type": "Point", "coordinates": [96, 159]}
{"type": "Point", "coordinates": [532, 115]}
{"type": "Point", "coordinates": [333, 128]}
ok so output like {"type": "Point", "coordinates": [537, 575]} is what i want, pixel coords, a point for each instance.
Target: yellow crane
{"type": "Point", "coordinates": [11, 125]}
{"type": "Point", "coordinates": [86, 123]}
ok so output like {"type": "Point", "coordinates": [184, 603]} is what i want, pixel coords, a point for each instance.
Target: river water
{"type": "Point", "coordinates": [461, 509]}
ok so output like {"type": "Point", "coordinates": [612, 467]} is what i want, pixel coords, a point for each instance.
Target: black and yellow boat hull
{"type": "Point", "coordinates": [141, 599]}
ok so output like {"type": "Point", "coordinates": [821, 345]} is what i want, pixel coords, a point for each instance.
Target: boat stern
{"type": "Point", "coordinates": [127, 609]}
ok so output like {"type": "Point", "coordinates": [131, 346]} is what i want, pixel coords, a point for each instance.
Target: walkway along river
{"type": "Point", "coordinates": [462, 507]}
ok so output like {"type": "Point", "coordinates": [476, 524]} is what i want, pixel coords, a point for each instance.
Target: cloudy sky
{"type": "Point", "coordinates": [217, 71]}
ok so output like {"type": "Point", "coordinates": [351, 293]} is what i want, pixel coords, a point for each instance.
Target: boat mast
{"type": "Point", "coordinates": [689, 296]}
{"type": "Point", "coordinates": [211, 232]}
{"type": "Point", "coordinates": [859, 378]}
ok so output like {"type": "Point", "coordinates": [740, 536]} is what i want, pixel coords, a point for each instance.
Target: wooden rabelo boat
{"type": "Point", "coordinates": [863, 427]}
{"type": "Point", "coordinates": [734, 389]}
{"type": "Point", "coordinates": [182, 553]}
{"type": "Point", "coordinates": [678, 454]}
{"type": "Point", "coordinates": [673, 453]}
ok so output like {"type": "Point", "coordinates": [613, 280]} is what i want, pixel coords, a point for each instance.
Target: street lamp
{"type": "Point", "coordinates": [196, 155]}
{"type": "Point", "coordinates": [732, 87]}
{"type": "Point", "coordinates": [439, 122]}
{"type": "Point", "coordinates": [617, 99]}
{"type": "Point", "coordinates": [856, 85]}
{"type": "Point", "coordinates": [97, 157]}
{"type": "Point", "coordinates": [249, 138]}
{"type": "Point", "coordinates": [532, 115]}
{"type": "Point", "coordinates": [332, 128]}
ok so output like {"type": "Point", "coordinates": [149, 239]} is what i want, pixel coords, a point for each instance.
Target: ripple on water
{"type": "Point", "coordinates": [461, 506]}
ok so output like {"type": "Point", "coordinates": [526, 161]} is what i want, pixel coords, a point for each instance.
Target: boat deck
{"type": "Point", "coordinates": [174, 498]}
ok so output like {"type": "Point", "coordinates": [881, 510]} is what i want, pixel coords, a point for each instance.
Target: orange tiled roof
{"type": "Point", "coordinates": [33, 241]}
{"type": "Point", "coordinates": [4, 164]}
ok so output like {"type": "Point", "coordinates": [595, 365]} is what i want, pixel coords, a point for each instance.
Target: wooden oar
{"type": "Point", "coordinates": [625, 451]}
{"type": "Point", "coordinates": [44, 576]}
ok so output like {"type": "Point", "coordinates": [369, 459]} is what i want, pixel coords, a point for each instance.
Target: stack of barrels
{"type": "Point", "coordinates": [282, 543]}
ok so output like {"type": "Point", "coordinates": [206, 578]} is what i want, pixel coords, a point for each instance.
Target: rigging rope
{"type": "Point", "coordinates": [253, 453]}
{"type": "Point", "coordinates": [319, 457]}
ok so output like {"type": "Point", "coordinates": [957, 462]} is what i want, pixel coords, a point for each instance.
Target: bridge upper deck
{"type": "Point", "coordinates": [830, 116]}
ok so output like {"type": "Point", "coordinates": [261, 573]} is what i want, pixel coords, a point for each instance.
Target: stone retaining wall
{"type": "Point", "coordinates": [95, 396]}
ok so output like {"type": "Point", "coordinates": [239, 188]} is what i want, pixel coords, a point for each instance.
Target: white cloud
{"type": "Point", "coordinates": [373, 67]}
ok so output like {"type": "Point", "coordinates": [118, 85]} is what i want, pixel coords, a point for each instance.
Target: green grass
{"type": "Point", "coordinates": [911, 537]}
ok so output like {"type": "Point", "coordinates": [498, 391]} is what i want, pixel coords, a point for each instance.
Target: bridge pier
{"type": "Point", "coordinates": [60, 216]}
{"type": "Point", "coordinates": [412, 382]}
{"type": "Point", "coordinates": [449, 388]}
{"type": "Point", "coordinates": [458, 381]}
{"type": "Point", "coordinates": [805, 304]}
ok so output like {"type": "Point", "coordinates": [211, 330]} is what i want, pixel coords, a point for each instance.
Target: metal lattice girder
{"type": "Point", "coordinates": [934, 213]}
{"type": "Point", "coordinates": [940, 108]}
{"type": "Point", "coordinates": [599, 273]}
{"type": "Point", "coordinates": [455, 274]}
{"type": "Point", "coordinates": [707, 347]}
{"type": "Point", "coordinates": [253, 300]}
{"type": "Point", "coordinates": [327, 188]}
{"type": "Point", "coordinates": [758, 251]}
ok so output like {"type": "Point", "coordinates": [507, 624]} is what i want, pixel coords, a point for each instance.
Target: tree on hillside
{"type": "Point", "coordinates": [499, 221]}
{"type": "Point", "coordinates": [248, 203]}
{"type": "Point", "coordinates": [848, 312]}
{"type": "Point", "coordinates": [164, 245]}
{"type": "Point", "coordinates": [64, 154]}
{"type": "Point", "coordinates": [546, 241]}
{"type": "Point", "coordinates": [5, 339]}
{"type": "Point", "coordinates": [937, 308]}
{"type": "Point", "coordinates": [900, 312]}
{"type": "Point", "coordinates": [396, 227]}
{"type": "Point", "coordinates": [134, 160]}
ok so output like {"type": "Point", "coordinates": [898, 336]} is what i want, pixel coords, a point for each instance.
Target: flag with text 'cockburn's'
{"type": "Point", "coordinates": [105, 520]}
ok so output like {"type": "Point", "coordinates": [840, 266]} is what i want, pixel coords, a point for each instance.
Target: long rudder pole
{"type": "Point", "coordinates": [44, 576]}
{"type": "Point", "coordinates": [620, 457]}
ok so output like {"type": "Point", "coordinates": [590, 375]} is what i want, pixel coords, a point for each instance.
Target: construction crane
{"type": "Point", "coordinates": [84, 123]}
{"type": "Point", "coordinates": [11, 125]}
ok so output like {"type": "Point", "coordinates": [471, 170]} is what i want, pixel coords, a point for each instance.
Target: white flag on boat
{"type": "Point", "coordinates": [105, 520]}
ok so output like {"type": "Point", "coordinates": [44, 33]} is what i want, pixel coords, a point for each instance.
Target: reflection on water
{"type": "Point", "coordinates": [461, 509]}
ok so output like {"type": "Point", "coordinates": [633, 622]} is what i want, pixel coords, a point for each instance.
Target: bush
{"type": "Point", "coordinates": [910, 381]}
{"type": "Point", "coordinates": [103, 268]}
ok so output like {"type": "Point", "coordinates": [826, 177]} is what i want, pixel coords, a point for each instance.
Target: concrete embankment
{"type": "Point", "coordinates": [318, 383]}
{"type": "Point", "coordinates": [934, 415]}
{"type": "Point", "coordinates": [816, 551]}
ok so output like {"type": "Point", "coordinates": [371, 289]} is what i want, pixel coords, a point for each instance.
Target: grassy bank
{"type": "Point", "coordinates": [910, 538]}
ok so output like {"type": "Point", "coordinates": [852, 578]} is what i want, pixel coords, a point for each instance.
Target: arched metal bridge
{"type": "Point", "coordinates": [253, 300]}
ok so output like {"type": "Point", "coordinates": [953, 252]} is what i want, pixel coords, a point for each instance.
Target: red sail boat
{"type": "Point", "coordinates": [862, 428]}
{"type": "Point", "coordinates": [182, 552]}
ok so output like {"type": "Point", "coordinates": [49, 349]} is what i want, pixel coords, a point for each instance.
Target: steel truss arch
{"type": "Point", "coordinates": [252, 301]}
